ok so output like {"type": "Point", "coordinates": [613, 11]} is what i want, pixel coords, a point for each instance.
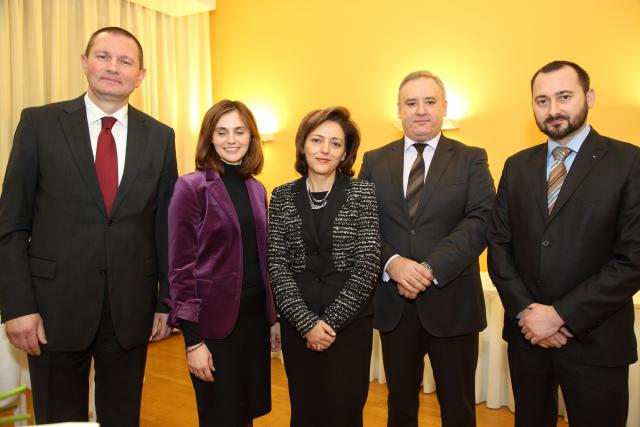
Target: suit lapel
{"type": "Point", "coordinates": [439, 163]}
{"type": "Point", "coordinates": [395, 165]}
{"type": "Point", "coordinates": [217, 189]}
{"type": "Point", "coordinates": [137, 142]}
{"type": "Point", "coordinates": [76, 130]}
{"type": "Point", "coordinates": [538, 179]}
{"type": "Point", "coordinates": [334, 202]}
{"type": "Point", "coordinates": [301, 200]}
{"type": "Point", "coordinates": [590, 153]}
{"type": "Point", "coordinates": [258, 205]}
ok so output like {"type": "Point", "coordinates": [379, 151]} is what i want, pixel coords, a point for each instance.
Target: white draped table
{"type": "Point", "coordinates": [13, 372]}
{"type": "Point", "coordinates": [493, 384]}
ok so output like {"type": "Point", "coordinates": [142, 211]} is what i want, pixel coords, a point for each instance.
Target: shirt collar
{"type": "Point", "coordinates": [94, 113]}
{"type": "Point", "coordinates": [575, 143]}
{"type": "Point", "coordinates": [433, 142]}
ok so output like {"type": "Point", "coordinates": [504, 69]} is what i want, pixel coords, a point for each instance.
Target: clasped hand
{"type": "Point", "coordinates": [320, 337]}
{"type": "Point", "coordinates": [411, 277]}
{"type": "Point", "coordinates": [542, 325]}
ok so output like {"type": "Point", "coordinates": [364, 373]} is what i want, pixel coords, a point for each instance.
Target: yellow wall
{"type": "Point", "coordinates": [291, 56]}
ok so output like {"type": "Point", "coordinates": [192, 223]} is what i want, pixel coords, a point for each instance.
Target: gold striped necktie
{"type": "Point", "coordinates": [557, 174]}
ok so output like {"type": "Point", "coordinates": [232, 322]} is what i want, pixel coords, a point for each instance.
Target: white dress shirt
{"type": "Point", "coordinates": [119, 130]}
{"type": "Point", "coordinates": [410, 154]}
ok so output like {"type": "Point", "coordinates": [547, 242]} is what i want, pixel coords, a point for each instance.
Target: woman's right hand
{"type": "Point", "coordinates": [200, 362]}
{"type": "Point", "coordinates": [320, 337]}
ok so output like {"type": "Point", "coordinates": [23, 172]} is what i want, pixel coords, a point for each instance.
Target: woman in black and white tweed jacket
{"type": "Point", "coordinates": [323, 262]}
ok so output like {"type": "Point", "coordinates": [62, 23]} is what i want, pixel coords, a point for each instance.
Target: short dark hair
{"type": "Point", "coordinates": [583, 77]}
{"type": "Point", "coordinates": [206, 154]}
{"type": "Point", "coordinates": [315, 118]}
{"type": "Point", "coordinates": [115, 30]}
{"type": "Point", "coordinates": [422, 74]}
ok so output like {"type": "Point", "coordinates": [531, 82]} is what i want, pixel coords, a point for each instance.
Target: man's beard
{"type": "Point", "coordinates": [558, 133]}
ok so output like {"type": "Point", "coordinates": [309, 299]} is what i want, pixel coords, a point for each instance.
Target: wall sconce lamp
{"type": "Point", "coordinates": [267, 137]}
{"type": "Point", "coordinates": [449, 124]}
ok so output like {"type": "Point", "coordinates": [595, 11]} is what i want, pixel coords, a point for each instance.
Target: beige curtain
{"type": "Point", "coordinates": [40, 46]}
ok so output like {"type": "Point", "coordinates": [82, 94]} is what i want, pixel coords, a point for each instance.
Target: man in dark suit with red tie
{"type": "Point", "coordinates": [564, 254]}
{"type": "Point", "coordinates": [83, 239]}
{"type": "Point", "coordinates": [434, 201]}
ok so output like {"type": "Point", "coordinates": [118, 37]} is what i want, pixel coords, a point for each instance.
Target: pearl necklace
{"type": "Point", "coordinates": [317, 203]}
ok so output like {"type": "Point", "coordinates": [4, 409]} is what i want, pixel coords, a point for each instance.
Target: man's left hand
{"type": "Point", "coordinates": [539, 322]}
{"type": "Point", "coordinates": [160, 329]}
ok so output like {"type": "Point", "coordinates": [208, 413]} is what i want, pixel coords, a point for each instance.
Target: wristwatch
{"type": "Point", "coordinates": [434, 281]}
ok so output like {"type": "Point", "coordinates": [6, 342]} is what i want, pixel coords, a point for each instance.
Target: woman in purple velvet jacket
{"type": "Point", "coordinates": [220, 292]}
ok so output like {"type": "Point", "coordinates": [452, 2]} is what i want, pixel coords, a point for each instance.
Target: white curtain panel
{"type": "Point", "coordinates": [40, 46]}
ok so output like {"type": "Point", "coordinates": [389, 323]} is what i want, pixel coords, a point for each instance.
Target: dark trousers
{"type": "Point", "coordinates": [453, 360]}
{"type": "Point", "coordinates": [595, 396]}
{"type": "Point", "coordinates": [60, 380]}
{"type": "Point", "coordinates": [328, 388]}
{"type": "Point", "coordinates": [241, 390]}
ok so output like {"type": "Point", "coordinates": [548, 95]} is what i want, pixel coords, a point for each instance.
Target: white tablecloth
{"type": "Point", "coordinates": [13, 372]}
{"type": "Point", "coordinates": [493, 384]}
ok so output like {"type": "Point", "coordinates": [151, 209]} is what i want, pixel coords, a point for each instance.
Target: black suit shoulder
{"type": "Point", "coordinates": [526, 154]}
{"type": "Point", "coordinates": [399, 145]}
{"type": "Point", "coordinates": [41, 116]}
{"type": "Point", "coordinates": [622, 146]}
{"type": "Point", "coordinates": [134, 112]}
{"type": "Point", "coordinates": [385, 149]}
{"type": "Point", "coordinates": [458, 145]}
{"type": "Point", "coordinates": [593, 137]}
{"type": "Point", "coordinates": [54, 106]}
{"type": "Point", "coordinates": [48, 110]}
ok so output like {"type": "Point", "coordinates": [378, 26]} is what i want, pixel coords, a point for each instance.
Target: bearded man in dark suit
{"type": "Point", "coordinates": [564, 253]}
{"type": "Point", "coordinates": [434, 200]}
{"type": "Point", "coordinates": [83, 239]}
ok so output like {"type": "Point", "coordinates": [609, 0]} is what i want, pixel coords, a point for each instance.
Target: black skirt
{"type": "Point", "coordinates": [241, 390]}
{"type": "Point", "coordinates": [328, 388]}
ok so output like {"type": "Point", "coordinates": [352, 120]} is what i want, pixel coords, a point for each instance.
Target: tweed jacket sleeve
{"type": "Point", "coordinates": [356, 251]}
{"type": "Point", "coordinates": [283, 262]}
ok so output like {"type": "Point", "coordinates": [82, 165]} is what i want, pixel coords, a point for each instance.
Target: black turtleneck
{"type": "Point", "coordinates": [237, 189]}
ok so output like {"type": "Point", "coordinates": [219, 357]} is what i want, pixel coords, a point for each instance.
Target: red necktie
{"type": "Point", "coordinates": [107, 163]}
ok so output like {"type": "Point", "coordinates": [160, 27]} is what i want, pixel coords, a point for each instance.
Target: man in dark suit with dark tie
{"type": "Point", "coordinates": [434, 200]}
{"type": "Point", "coordinates": [564, 253]}
{"type": "Point", "coordinates": [83, 239]}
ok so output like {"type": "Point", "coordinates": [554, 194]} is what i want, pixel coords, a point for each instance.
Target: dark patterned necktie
{"type": "Point", "coordinates": [557, 174]}
{"type": "Point", "coordinates": [416, 181]}
{"type": "Point", "coordinates": [107, 163]}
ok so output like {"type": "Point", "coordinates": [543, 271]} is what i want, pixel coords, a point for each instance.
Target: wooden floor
{"type": "Point", "coordinates": [168, 398]}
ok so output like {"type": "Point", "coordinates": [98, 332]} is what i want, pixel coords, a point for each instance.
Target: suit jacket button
{"type": "Point", "coordinates": [317, 279]}
{"type": "Point", "coordinates": [546, 243]}
{"type": "Point", "coordinates": [109, 222]}
{"type": "Point", "coordinates": [412, 232]}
